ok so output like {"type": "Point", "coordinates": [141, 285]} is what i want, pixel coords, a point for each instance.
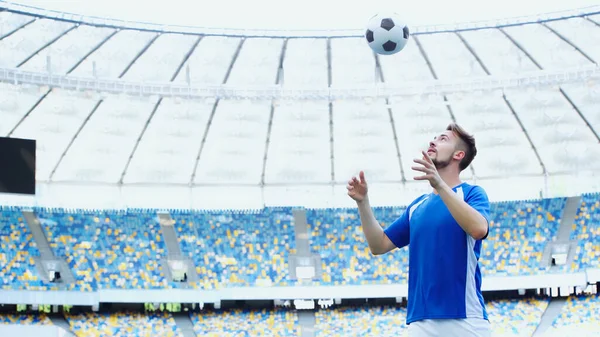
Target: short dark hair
{"type": "Point", "coordinates": [467, 142]}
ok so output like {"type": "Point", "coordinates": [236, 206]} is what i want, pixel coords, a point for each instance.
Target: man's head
{"type": "Point", "coordinates": [454, 145]}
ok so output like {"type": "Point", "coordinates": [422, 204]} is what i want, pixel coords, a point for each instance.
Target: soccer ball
{"type": "Point", "coordinates": [386, 34]}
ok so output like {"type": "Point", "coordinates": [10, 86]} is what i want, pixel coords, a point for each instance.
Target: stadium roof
{"type": "Point", "coordinates": [306, 14]}
{"type": "Point", "coordinates": [164, 118]}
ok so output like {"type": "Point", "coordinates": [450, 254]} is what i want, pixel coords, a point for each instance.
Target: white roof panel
{"type": "Point", "coordinates": [101, 151]}
{"type": "Point", "coordinates": [299, 146]}
{"type": "Point", "coordinates": [502, 148]}
{"type": "Point", "coordinates": [210, 61]}
{"type": "Point", "coordinates": [352, 62]}
{"type": "Point", "coordinates": [167, 152]}
{"type": "Point", "coordinates": [407, 65]}
{"type": "Point", "coordinates": [26, 41]}
{"type": "Point", "coordinates": [235, 144]}
{"type": "Point", "coordinates": [161, 60]}
{"type": "Point", "coordinates": [363, 139]}
{"type": "Point", "coordinates": [449, 57]}
{"type": "Point", "coordinates": [53, 124]}
{"type": "Point", "coordinates": [498, 54]}
{"type": "Point", "coordinates": [110, 60]}
{"type": "Point", "coordinates": [554, 127]}
{"type": "Point", "coordinates": [15, 102]}
{"type": "Point", "coordinates": [65, 53]}
{"type": "Point", "coordinates": [549, 50]}
{"type": "Point", "coordinates": [581, 32]}
{"type": "Point", "coordinates": [10, 21]}
{"type": "Point", "coordinates": [257, 62]}
{"type": "Point", "coordinates": [305, 63]}
{"type": "Point", "coordinates": [417, 123]}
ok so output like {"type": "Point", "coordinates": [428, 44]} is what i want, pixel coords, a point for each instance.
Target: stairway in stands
{"type": "Point", "coordinates": [184, 323]}
{"type": "Point", "coordinates": [552, 311]}
{"type": "Point", "coordinates": [563, 244]}
{"type": "Point", "coordinates": [61, 322]}
{"type": "Point", "coordinates": [47, 262]}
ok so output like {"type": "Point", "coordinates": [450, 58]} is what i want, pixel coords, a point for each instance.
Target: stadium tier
{"type": "Point", "coordinates": [581, 314]}
{"type": "Point", "coordinates": [509, 318]}
{"type": "Point", "coordinates": [586, 230]}
{"type": "Point", "coordinates": [238, 248]}
{"type": "Point", "coordinates": [336, 235]}
{"type": "Point", "coordinates": [18, 251]}
{"type": "Point", "coordinates": [516, 318]}
{"type": "Point", "coordinates": [385, 321]}
{"type": "Point", "coordinates": [124, 249]}
{"type": "Point", "coordinates": [246, 323]}
{"type": "Point", "coordinates": [519, 231]}
{"type": "Point", "coordinates": [123, 324]}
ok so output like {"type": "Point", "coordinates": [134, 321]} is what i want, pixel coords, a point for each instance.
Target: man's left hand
{"type": "Point", "coordinates": [431, 173]}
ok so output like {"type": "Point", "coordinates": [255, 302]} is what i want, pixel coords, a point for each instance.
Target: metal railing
{"type": "Point", "coordinates": [541, 78]}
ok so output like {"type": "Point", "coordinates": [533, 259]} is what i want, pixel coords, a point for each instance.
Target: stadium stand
{"type": "Point", "coordinates": [516, 317]}
{"type": "Point", "coordinates": [586, 230]}
{"type": "Point", "coordinates": [26, 319]}
{"type": "Point", "coordinates": [123, 249]}
{"type": "Point", "coordinates": [123, 324]}
{"type": "Point", "coordinates": [18, 269]}
{"type": "Point", "coordinates": [233, 248]}
{"type": "Point", "coordinates": [238, 322]}
{"type": "Point", "coordinates": [113, 249]}
{"type": "Point", "coordinates": [581, 314]}
{"type": "Point", "coordinates": [519, 231]}
{"type": "Point", "coordinates": [385, 321]}
{"type": "Point", "coordinates": [336, 235]}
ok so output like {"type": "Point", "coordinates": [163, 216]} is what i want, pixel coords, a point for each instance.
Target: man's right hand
{"type": "Point", "coordinates": [357, 187]}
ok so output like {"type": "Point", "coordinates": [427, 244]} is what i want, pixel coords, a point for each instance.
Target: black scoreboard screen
{"type": "Point", "coordinates": [17, 165]}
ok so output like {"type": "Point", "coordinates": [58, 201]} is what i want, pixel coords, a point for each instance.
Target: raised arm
{"type": "Point", "coordinates": [378, 240]}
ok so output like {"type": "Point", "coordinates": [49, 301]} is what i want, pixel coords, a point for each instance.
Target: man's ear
{"type": "Point", "coordinates": [459, 155]}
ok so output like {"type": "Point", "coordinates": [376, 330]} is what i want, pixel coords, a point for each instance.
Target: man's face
{"type": "Point", "coordinates": [443, 149]}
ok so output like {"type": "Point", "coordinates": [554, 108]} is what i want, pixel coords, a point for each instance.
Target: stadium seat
{"type": "Point", "coordinates": [245, 323]}
{"type": "Point", "coordinates": [381, 321]}
{"type": "Point", "coordinates": [18, 271]}
{"type": "Point", "coordinates": [579, 313]}
{"type": "Point", "coordinates": [516, 317]}
{"type": "Point", "coordinates": [237, 248]}
{"type": "Point", "coordinates": [586, 230]}
{"type": "Point", "coordinates": [123, 324]}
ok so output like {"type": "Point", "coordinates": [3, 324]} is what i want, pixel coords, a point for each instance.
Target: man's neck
{"type": "Point", "coordinates": [450, 177]}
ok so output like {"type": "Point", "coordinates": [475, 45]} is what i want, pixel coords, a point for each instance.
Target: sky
{"type": "Point", "coordinates": [304, 14]}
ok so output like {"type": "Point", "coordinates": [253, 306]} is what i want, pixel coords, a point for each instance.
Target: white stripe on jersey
{"type": "Point", "coordinates": [472, 305]}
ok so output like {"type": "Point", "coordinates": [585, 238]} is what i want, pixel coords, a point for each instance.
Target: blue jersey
{"type": "Point", "coordinates": [444, 279]}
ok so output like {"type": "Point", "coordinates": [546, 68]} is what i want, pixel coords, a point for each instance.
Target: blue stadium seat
{"type": "Point", "coordinates": [246, 323]}
{"type": "Point", "coordinates": [238, 248]}
{"type": "Point", "coordinates": [17, 253]}
{"type": "Point", "coordinates": [586, 229]}
{"type": "Point", "coordinates": [580, 314]}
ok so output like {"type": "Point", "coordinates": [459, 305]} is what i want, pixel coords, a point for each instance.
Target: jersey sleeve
{"type": "Point", "coordinates": [399, 231]}
{"type": "Point", "coordinates": [478, 199]}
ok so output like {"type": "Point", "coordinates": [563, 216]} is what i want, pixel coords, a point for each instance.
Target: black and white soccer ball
{"type": "Point", "coordinates": [387, 33]}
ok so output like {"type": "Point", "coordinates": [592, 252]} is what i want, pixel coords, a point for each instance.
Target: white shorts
{"type": "Point", "coordinates": [469, 327]}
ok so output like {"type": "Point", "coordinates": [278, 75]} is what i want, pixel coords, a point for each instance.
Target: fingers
{"type": "Point", "coordinates": [426, 157]}
{"type": "Point", "coordinates": [419, 168]}
{"type": "Point", "coordinates": [423, 162]}
{"type": "Point", "coordinates": [355, 181]}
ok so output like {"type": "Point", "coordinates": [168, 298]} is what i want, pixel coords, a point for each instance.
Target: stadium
{"type": "Point", "coordinates": [192, 181]}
